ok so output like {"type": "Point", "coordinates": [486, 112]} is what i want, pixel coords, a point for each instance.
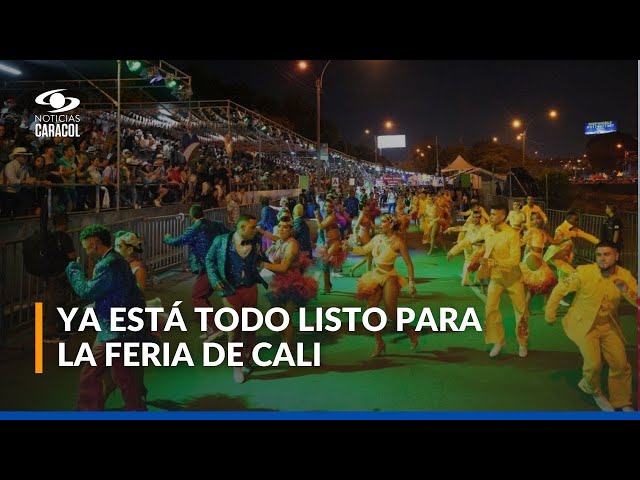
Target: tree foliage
{"type": "Point", "coordinates": [603, 150]}
{"type": "Point", "coordinates": [494, 156]}
{"type": "Point", "coordinates": [558, 186]}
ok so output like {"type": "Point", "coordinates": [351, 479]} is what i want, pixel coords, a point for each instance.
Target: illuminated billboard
{"type": "Point", "coordinates": [598, 128]}
{"type": "Point", "coordinates": [391, 141]}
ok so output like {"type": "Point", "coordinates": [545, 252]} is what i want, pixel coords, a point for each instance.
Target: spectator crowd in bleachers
{"type": "Point", "coordinates": [153, 170]}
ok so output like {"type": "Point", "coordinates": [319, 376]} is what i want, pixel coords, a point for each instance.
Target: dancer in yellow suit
{"type": "Point", "coordinates": [592, 323]}
{"type": "Point", "coordinates": [502, 260]}
{"type": "Point", "coordinates": [475, 205]}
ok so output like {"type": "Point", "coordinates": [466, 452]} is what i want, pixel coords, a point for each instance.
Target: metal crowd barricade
{"type": "Point", "coordinates": [555, 217]}
{"type": "Point", "coordinates": [218, 215]}
{"type": "Point", "coordinates": [19, 289]}
{"type": "Point", "coordinates": [253, 209]}
{"type": "Point", "coordinates": [159, 256]}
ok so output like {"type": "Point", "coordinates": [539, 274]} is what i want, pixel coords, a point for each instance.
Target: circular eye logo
{"type": "Point", "coordinates": [58, 101]}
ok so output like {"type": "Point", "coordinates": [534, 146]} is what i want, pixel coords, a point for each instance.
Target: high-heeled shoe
{"type": "Point", "coordinates": [380, 349]}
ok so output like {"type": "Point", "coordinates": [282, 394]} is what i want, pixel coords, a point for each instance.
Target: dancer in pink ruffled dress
{"type": "Point", "coordinates": [289, 288]}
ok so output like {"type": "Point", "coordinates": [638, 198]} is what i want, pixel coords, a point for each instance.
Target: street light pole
{"type": "Point", "coordinates": [375, 144]}
{"type": "Point", "coordinates": [318, 91]}
{"type": "Point", "coordinates": [517, 124]}
{"type": "Point", "coordinates": [375, 148]}
{"type": "Point", "coordinates": [319, 164]}
{"type": "Point", "coordinates": [388, 125]}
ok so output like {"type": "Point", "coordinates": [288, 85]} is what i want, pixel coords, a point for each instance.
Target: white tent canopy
{"type": "Point", "coordinates": [460, 165]}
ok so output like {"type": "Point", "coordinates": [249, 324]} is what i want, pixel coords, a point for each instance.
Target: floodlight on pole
{"type": "Point", "coordinates": [134, 65]}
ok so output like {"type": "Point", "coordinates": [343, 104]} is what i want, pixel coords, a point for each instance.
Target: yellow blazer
{"type": "Point", "coordinates": [502, 248]}
{"type": "Point", "coordinates": [588, 283]}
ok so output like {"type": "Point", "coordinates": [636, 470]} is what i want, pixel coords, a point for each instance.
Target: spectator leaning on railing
{"type": "Point", "coordinates": [17, 200]}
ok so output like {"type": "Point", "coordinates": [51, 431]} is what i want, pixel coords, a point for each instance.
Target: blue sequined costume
{"type": "Point", "coordinates": [217, 265]}
{"type": "Point", "coordinates": [302, 235]}
{"type": "Point", "coordinates": [268, 219]}
{"type": "Point", "coordinates": [112, 285]}
{"type": "Point", "coordinates": [198, 237]}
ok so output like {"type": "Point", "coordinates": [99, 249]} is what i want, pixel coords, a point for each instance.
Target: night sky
{"type": "Point", "coordinates": [460, 101]}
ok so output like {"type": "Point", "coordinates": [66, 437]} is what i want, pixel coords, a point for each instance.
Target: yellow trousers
{"type": "Point", "coordinates": [604, 340]}
{"type": "Point", "coordinates": [425, 226]}
{"type": "Point", "coordinates": [494, 328]}
{"type": "Point", "coordinates": [466, 278]}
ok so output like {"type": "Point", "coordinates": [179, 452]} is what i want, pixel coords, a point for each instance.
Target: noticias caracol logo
{"type": "Point", "coordinates": [65, 125]}
{"type": "Point", "coordinates": [57, 101]}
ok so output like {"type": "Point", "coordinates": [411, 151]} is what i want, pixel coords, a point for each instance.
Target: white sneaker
{"type": "Point", "coordinates": [564, 304]}
{"type": "Point", "coordinates": [523, 351]}
{"type": "Point", "coordinates": [628, 408]}
{"type": "Point", "coordinates": [603, 403]}
{"type": "Point", "coordinates": [495, 351]}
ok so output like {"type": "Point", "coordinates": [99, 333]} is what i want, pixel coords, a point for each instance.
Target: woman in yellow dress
{"type": "Point", "coordinates": [538, 278]}
{"type": "Point", "coordinates": [384, 282]}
